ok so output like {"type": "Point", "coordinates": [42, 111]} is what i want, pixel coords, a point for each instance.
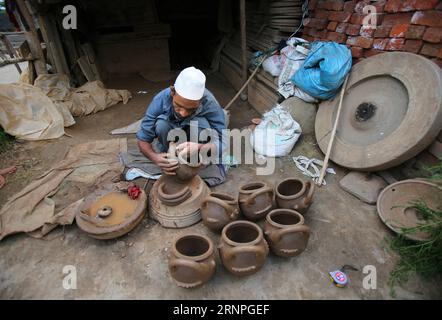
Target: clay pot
{"type": "Point", "coordinates": [255, 200]}
{"type": "Point", "coordinates": [294, 194]}
{"type": "Point", "coordinates": [286, 233]}
{"type": "Point", "coordinates": [173, 194]}
{"type": "Point", "coordinates": [186, 168]}
{"type": "Point", "coordinates": [192, 260]}
{"type": "Point", "coordinates": [243, 249]}
{"type": "Point", "coordinates": [218, 209]}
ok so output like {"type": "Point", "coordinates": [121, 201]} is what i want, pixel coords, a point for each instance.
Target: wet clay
{"type": "Point", "coordinates": [294, 194]}
{"type": "Point", "coordinates": [173, 194]}
{"type": "Point", "coordinates": [192, 260]}
{"type": "Point", "coordinates": [256, 200]}
{"type": "Point", "coordinates": [286, 232]}
{"type": "Point", "coordinates": [120, 205]}
{"type": "Point", "coordinates": [218, 209]}
{"type": "Point", "coordinates": [109, 215]}
{"type": "Point", "coordinates": [243, 249]}
{"type": "Point", "coordinates": [188, 164]}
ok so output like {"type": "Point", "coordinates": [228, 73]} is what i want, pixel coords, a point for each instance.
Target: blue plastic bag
{"type": "Point", "coordinates": [324, 70]}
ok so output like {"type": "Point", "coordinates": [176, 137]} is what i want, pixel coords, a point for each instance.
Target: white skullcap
{"type": "Point", "coordinates": [190, 83]}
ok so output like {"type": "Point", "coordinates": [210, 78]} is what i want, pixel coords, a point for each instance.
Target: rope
{"type": "Point", "coordinates": [305, 165]}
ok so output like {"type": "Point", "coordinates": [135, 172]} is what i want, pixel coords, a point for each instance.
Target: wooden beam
{"type": "Point", "coordinates": [10, 50]}
{"type": "Point", "coordinates": [32, 38]}
{"type": "Point", "coordinates": [243, 43]}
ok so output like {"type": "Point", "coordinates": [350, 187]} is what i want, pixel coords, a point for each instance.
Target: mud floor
{"type": "Point", "coordinates": [345, 231]}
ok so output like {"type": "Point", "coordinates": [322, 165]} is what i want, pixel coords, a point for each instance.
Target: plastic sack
{"type": "Point", "coordinates": [277, 133]}
{"type": "Point", "coordinates": [272, 65]}
{"type": "Point", "coordinates": [324, 70]}
{"type": "Point", "coordinates": [291, 61]}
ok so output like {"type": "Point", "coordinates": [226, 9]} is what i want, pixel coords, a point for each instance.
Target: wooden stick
{"type": "Point", "coordinates": [10, 50]}
{"type": "Point", "coordinates": [332, 138]}
{"type": "Point", "coordinates": [245, 84]}
{"type": "Point", "coordinates": [243, 41]}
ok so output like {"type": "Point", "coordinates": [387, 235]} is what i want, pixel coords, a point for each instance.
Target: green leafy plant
{"type": "Point", "coordinates": [423, 258]}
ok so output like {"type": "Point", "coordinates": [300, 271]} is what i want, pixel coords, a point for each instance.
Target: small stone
{"type": "Point", "coordinates": [130, 244]}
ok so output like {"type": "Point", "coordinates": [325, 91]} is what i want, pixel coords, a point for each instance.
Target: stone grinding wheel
{"type": "Point", "coordinates": [392, 110]}
{"type": "Point", "coordinates": [186, 213]}
{"type": "Point", "coordinates": [394, 209]}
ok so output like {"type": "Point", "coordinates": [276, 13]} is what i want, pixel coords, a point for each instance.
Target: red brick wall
{"type": "Point", "coordinates": [402, 25]}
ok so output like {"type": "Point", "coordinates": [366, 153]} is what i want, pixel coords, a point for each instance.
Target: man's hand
{"type": "Point", "coordinates": [168, 166]}
{"type": "Point", "coordinates": [188, 147]}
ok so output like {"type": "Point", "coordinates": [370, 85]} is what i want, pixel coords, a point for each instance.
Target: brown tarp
{"type": "Point", "coordinates": [54, 198]}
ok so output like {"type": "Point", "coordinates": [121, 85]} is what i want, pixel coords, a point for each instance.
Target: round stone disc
{"type": "Point", "coordinates": [391, 111]}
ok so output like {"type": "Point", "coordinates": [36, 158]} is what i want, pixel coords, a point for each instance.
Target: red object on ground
{"type": "Point", "coordinates": [134, 192]}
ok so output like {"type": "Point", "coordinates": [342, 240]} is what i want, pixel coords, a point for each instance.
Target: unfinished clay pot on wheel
{"type": "Point", "coordinates": [255, 200]}
{"type": "Point", "coordinates": [192, 260]}
{"type": "Point", "coordinates": [218, 209]}
{"type": "Point", "coordinates": [243, 249]}
{"type": "Point", "coordinates": [173, 194]}
{"type": "Point", "coordinates": [188, 164]}
{"type": "Point", "coordinates": [286, 233]}
{"type": "Point", "coordinates": [294, 194]}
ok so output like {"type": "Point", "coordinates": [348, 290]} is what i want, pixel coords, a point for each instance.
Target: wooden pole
{"type": "Point", "coordinates": [332, 138]}
{"type": "Point", "coordinates": [243, 42]}
{"type": "Point", "coordinates": [32, 38]}
{"type": "Point", "coordinates": [11, 50]}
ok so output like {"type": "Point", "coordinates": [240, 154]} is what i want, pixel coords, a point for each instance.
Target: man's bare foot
{"type": "Point", "coordinates": [8, 170]}
{"type": "Point", "coordinates": [4, 172]}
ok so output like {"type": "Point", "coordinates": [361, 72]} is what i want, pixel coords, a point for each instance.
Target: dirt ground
{"type": "Point", "coordinates": [345, 231]}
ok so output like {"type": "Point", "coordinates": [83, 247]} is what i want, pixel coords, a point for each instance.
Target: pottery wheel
{"type": "Point", "coordinates": [109, 215]}
{"type": "Point", "coordinates": [391, 111]}
{"type": "Point", "coordinates": [394, 204]}
{"type": "Point", "coordinates": [186, 213]}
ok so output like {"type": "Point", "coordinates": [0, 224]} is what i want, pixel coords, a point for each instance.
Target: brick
{"type": "Point", "coordinates": [337, 37]}
{"type": "Point", "coordinates": [382, 32]}
{"type": "Point", "coordinates": [439, 55]}
{"type": "Point", "coordinates": [312, 4]}
{"type": "Point", "coordinates": [399, 30]}
{"type": "Point", "coordinates": [379, 5]}
{"type": "Point", "coordinates": [380, 44]}
{"type": "Point", "coordinates": [371, 52]}
{"type": "Point", "coordinates": [415, 32]}
{"type": "Point", "coordinates": [308, 38]}
{"type": "Point", "coordinates": [349, 6]}
{"type": "Point", "coordinates": [397, 18]}
{"type": "Point", "coordinates": [315, 23]}
{"type": "Point", "coordinates": [367, 32]}
{"type": "Point", "coordinates": [322, 14]}
{"type": "Point", "coordinates": [335, 5]}
{"type": "Point", "coordinates": [356, 52]}
{"type": "Point", "coordinates": [319, 34]}
{"type": "Point", "coordinates": [395, 44]}
{"type": "Point", "coordinates": [427, 18]}
{"type": "Point", "coordinates": [433, 35]}
{"type": "Point", "coordinates": [410, 5]}
{"type": "Point", "coordinates": [359, 8]}
{"type": "Point", "coordinates": [332, 25]}
{"type": "Point", "coordinates": [413, 46]}
{"type": "Point", "coordinates": [341, 27]}
{"type": "Point", "coordinates": [439, 6]}
{"type": "Point", "coordinates": [340, 16]}
{"type": "Point", "coordinates": [431, 50]}
{"type": "Point", "coordinates": [357, 18]}
{"type": "Point", "coordinates": [353, 29]}
{"type": "Point", "coordinates": [360, 42]}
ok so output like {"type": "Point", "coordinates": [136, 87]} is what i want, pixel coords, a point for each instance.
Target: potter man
{"type": "Point", "coordinates": [187, 103]}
